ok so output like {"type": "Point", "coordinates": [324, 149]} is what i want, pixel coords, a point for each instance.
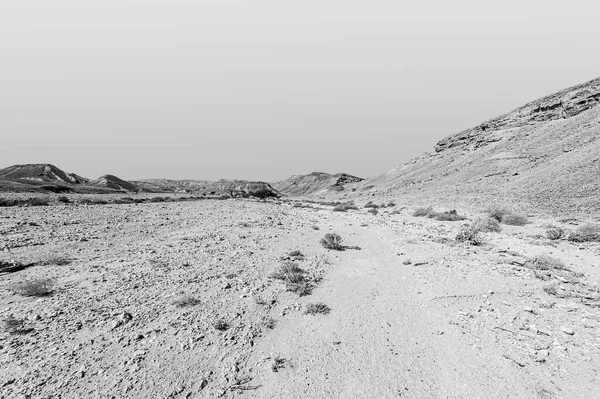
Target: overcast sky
{"type": "Point", "coordinates": [263, 89]}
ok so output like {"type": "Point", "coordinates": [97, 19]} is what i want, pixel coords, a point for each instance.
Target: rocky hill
{"type": "Point", "coordinates": [314, 183]}
{"type": "Point", "coordinates": [114, 183]}
{"type": "Point", "coordinates": [49, 178]}
{"type": "Point", "coordinates": [545, 153]}
{"type": "Point", "coordinates": [40, 173]}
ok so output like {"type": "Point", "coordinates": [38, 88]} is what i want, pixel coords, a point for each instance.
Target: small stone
{"type": "Point", "coordinates": [567, 330]}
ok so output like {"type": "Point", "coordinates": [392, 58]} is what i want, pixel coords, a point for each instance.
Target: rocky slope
{"type": "Point", "coordinates": [314, 183]}
{"type": "Point", "coordinates": [47, 177]}
{"type": "Point", "coordinates": [113, 182]}
{"type": "Point", "coordinates": [41, 173]}
{"type": "Point", "coordinates": [545, 153]}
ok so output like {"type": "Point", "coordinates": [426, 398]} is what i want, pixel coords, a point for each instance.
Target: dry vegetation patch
{"type": "Point", "coordinates": [38, 287]}
{"type": "Point", "coordinates": [317, 308]}
{"type": "Point", "coordinates": [333, 241]}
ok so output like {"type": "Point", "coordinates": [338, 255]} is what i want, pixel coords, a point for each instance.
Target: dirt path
{"type": "Point", "coordinates": [380, 339]}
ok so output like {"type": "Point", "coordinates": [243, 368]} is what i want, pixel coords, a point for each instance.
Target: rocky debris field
{"type": "Point", "coordinates": [206, 299]}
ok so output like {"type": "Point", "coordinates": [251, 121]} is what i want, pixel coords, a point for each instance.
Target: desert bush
{"type": "Point", "coordinates": [293, 255]}
{"type": "Point", "coordinates": [186, 301]}
{"type": "Point", "coordinates": [289, 272]}
{"type": "Point", "coordinates": [555, 233]}
{"type": "Point", "coordinates": [370, 204]}
{"type": "Point", "coordinates": [315, 227]}
{"type": "Point", "coordinates": [270, 323]}
{"type": "Point", "coordinates": [497, 212]}
{"type": "Point", "coordinates": [63, 199]}
{"type": "Point", "coordinates": [448, 216]}
{"type": "Point", "coordinates": [545, 262]}
{"type": "Point", "coordinates": [391, 204]}
{"type": "Point", "coordinates": [514, 220]}
{"type": "Point", "coordinates": [54, 261]}
{"type": "Point", "coordinates": [421, 211]}
{"type": "Point", "coordinates": [486, 224]}
{"type": "Point", "coordinates": [302, 288]}
{"type": "Point", "coordinates": [469, 235]}
{"type": "Point", "coordinates": [588, 232]}
{"type": "Point", "coordinates": [316, 308]}
{"type": "Point", "coordinates": [12, 325]}
{"type": "Point", "coordinates": [39, 287]}
{"type": "Point", "coordinates": [345, 207]}
{"type": "Point", "coordinates": [332, 241]}
{"type": "Point", "coordinates": [221, 325]}
{"type": "Point", "coordinates": [373, 211]}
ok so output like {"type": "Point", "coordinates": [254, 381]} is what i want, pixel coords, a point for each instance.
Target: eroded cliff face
{"type": "Point", "coordinates": [562, 105]}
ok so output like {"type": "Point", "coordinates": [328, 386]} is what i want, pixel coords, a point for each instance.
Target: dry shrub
{"type": "Point", "coordinates": [497, 212]}
{"type": "Point", "coordinates": [588, 232]}
{"type": "Point", "coordinates": [38, 287]}
{"type": "Point", "coordinates": [421, 211]}
{"type": "Point", "coordinates": [448, 216]}
{"type": "Point", "coordinates": [514, 220]}
{"type": "Point", "coordinates": [555, 233]}
{"type": "Point", "coordinates": [345, 207]}
{"type": "Point", "coordinates": [303, 288]}
{"type": "Point", "coordinates": [54, 261]}
{"type": "Point", "coordinates": [373, 211]}
{"type": "Point", "coordinates": [221, 325]}
{"type": "Point", "coordinates": [469, 235]}
{"type": "Point", "coordinates": [289, 272]}
{"type": "Point", "coordinates": [332, 241]}
{"type": "Point", "coordinates": [545, 262]}
{"type": "Point", "coordinates": [12, 325]}
{"type": "Point", "coordinates": [486, 224]}
{"type": "Point", "coordinates": [316, 308]}
{"type": "Point", "coordinates": [370, 204]}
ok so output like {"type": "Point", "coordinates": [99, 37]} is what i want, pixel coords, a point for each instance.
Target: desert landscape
{"type": "Point", "coordinates": [472, 271]}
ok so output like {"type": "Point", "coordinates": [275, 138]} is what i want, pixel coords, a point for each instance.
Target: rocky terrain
{"type": "Point", "coordinates": [184, 300]}
{"type": "Point", "coordinates": [315, 183]}
{"type": "Point", "coordinates": [544, 155]}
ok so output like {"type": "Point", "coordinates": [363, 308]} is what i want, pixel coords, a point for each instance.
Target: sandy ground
{"type": "Point", "coordinates": [413, 313]}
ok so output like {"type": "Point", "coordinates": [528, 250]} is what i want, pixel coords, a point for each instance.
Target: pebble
{"type": "Point", "coordinates": [567, 330]}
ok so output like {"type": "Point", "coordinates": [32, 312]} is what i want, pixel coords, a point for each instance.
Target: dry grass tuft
{"type": "Point", "coordinates": [317, 308]}
{"type": "Point", "coordinates": [332, 241]}
{"type": "Point", "coordinates": [39, 287]}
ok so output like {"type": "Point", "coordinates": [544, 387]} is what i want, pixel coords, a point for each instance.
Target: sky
{"type": "Point", "coordinates": [265, 89]}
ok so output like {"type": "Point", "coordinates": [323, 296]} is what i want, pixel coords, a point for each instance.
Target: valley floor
{"type": "Point", "coordinates": [178, 300]}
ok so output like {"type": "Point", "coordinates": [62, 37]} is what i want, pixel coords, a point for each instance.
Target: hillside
{"type": "Point", "coordinates": [114, 183]}
{"type": "Point", "coordinates": [49, 178]}
{"type": "Point", "coordinates": [41, 173]}
{"type": "Point", "coordinates": [545, 153]}
{"type": "Point", "coordinates": [314, 183]}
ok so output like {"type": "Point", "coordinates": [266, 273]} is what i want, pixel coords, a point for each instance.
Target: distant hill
{"type": "Point", "coordinates": [40, 173]}
{"type": "Point", "coordinates": [314, 183]}
{"type": "Point", "coordinates": [114, 183]}
{"type": "Point", "coordinates": [47, 177]}
{"type": "Point", "coordinates": [545, 153]}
